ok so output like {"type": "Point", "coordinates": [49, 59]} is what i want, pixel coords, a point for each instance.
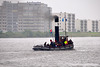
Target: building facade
{"type": "Point", "coordinates": [95, 25]}
{"type": "Point", "coordinates": [18, 17]}
{"type": "Point", "coordinates": [3, 24]}
{"type": "Point", "coordinates": [65, 19]}
{"type": "Point", "coordinates": [81, 25]}
{"type": "Point", "coordinates": [87, 25]}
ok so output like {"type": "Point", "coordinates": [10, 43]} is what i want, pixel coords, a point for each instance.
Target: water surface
{"type": "Point", "coordinates": [17, 52]}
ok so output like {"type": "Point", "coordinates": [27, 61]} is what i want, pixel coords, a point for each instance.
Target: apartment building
{"type": "Point", "coordinates": [2, 20]}
{"type": "Point", "coordinates": [87, 25]}
{"type": "Point", "coordinates": [95, 25]}
{"type": "Point", "coordinates": [81, 25]}
{"type": "Point", "coordinates": [99, 26]}
{"type": "Point", "coordinates": [17, 17]}
{"type": "Point", "coordinates": [65, 19]}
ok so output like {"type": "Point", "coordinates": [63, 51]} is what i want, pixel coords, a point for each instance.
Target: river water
{"type": "Point", "coordinates": [17, 52]}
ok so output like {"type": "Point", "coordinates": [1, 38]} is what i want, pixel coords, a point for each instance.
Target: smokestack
{"type": "Point", "coordinates": [56, 33]}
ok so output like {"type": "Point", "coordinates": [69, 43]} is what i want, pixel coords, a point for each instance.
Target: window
{"type": "Point", "coordinates": [26, 8]}
{"type": "Point", "coordinates": [69, 15]}
{"type": "Point", "coordinates": [73, 23]}
{"type": "Point", "coordinates": [73, 15]}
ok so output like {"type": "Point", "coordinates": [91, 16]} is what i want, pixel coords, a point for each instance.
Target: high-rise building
{"type": "Point", "coordinates": [3, 24]}
{"type": "Point", "coordinates": [63, 18]}
{"type": "Point", "coordinates": [17, 17]}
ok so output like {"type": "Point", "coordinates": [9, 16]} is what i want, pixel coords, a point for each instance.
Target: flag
{"type": "Point", "coordinates": [50, 30]}
{"type": "Point", "coordinates": [62, 19]}
{"type": "Point", "coordinates": [66, 19]}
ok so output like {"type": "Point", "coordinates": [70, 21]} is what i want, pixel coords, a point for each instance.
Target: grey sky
{"type": "Point", "coordinates": [83, 9]}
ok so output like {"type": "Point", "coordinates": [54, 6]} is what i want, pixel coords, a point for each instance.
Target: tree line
{"type": "Point", "coordinates": [30, 34]}
{"type": "Point", "coordinates": [25, 34]}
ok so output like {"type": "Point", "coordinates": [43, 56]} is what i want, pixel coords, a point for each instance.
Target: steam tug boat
{"type": "Point", "coordinates": [61, 42]}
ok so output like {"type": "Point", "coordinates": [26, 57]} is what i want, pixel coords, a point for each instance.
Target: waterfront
{"type": "Point", "coordinates": [17, 52]}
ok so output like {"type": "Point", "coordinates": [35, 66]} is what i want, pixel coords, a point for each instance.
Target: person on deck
{"type": "Point", "coordinates": [66, 41]}
{"type": "Point", "coordinates": [45, 44]}
{"type": "Point", "coordinates": [70, 42]}
{"type": "Point", "coordinates": [52, 44]}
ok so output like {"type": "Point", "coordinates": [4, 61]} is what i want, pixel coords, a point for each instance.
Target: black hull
{"type": "Point", "coordinates": [42, 48]}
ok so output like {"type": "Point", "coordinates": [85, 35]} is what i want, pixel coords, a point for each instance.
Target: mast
{"type": "Point", "coordinates": [65, 25]}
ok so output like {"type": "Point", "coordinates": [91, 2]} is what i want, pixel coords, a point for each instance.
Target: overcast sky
{"type": "Point", "coordinates": [83, 9]}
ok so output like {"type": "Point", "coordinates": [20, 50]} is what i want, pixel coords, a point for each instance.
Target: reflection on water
{"type": "Point", "coordinates": [17, 52]}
